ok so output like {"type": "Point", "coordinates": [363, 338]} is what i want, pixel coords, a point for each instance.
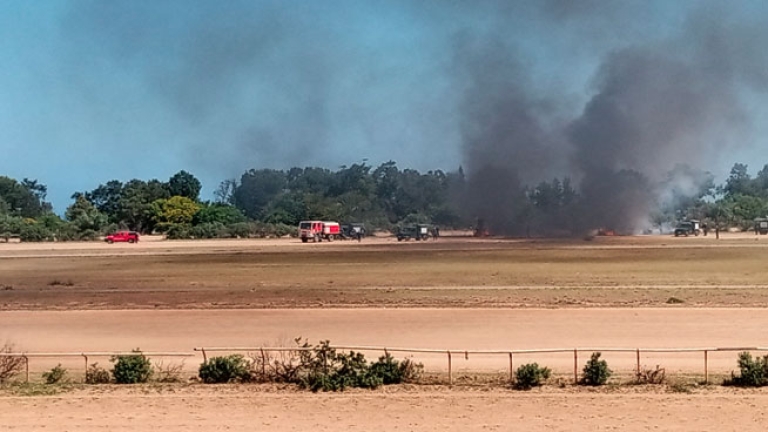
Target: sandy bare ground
{"type": "Point", "coordinates": [441, 410]}
{"type": "Point", "coordinates": [451, 272]}
{"type": "Point", "coordinates": [455, 329]}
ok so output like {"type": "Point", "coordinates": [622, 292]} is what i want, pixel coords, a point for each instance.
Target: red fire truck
{"type": "Point", "coordinates": [318, 231]}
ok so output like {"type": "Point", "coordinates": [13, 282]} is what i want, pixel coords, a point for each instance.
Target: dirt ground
{"type": "Point", "coordinates": [440, 410]}
{"type": "Point", "coordinates": [450, 272]}
{"type": "Point", "coordinates": [454, 293]}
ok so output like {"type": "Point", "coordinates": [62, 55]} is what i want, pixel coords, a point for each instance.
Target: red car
{"type": "Point", "coordinates": [122, 236]}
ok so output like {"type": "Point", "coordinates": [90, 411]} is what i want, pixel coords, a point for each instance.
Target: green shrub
{"type": "Point", "coordinates": [207, 230]}
{"type": "Point", "coordinates": [595, 372]}
{"type": "Point", "coordinates": [237, 230]}
{"type": "Point", "coordinates": [56, 375]}
{"type": "Point", "coordinates": [752, 372]}
{"type": "Point", "coordinates": [132, 368]}
{"type": "Point", "coordinates": [219, 370]}
{"type": "Point", "coordinates": [342, 371]}
{"type": "Point", "coordinates": [96, 374]}
{"type": "Point", "coordinates": [531, 375]}
{"type": "Point", "coordinates": [177, 232]}
{"type": "Point", "coordinates": [392, 371]}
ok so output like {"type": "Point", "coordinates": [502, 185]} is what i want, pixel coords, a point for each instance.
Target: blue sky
{"type": "Point", "coordinates": [97, 90]}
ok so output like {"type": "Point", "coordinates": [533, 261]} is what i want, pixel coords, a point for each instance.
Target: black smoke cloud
{"type": "Point", "coordinates": [677, 100]}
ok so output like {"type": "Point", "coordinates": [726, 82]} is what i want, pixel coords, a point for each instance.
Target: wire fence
{"type": "Point", "coordinates": [510, 354]}
{"type": "Point", "coordinates": [450, 354]}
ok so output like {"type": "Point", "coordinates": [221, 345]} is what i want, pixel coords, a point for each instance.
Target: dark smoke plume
{"type": "Point", "coordinates": [654, 106]}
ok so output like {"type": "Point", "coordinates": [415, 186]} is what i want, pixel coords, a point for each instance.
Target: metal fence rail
{"type": "Point", "coordinates": [510, 353]}
{"type": "Point", "coordinates": [449, 353]}
{"type": "Point", "coordinates": [85, 355]}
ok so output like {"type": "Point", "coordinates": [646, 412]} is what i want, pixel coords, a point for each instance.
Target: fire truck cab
{"type": "Point", "coordinates": [317, 231]}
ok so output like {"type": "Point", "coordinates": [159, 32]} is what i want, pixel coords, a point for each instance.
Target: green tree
{"type": "Point", "coordinates": [25, 198]}
{"type": "Point", "coordinates": [136, 200]}
{"type": "Point", "coordinates": [184, 184]}
{"type": "Point", "coordinates": [218, 213]}
{"type": "Point", "coordinates": [86, 218]}
{"type": "Point", "coordinates": [107, 199]}
{"type": "Point", "coordinates": [257, 189]}
{"type": "Point", "coordinates": [176, 210]}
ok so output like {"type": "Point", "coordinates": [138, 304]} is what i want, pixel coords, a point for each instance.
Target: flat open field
{"type": "Point", "coordinates": [451, 272]}
{"type": "Point", "coordinates": [455, 293]}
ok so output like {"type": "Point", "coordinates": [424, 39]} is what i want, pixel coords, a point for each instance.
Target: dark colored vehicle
{"type": "Point", "coordinates": [416, 232]}
{"type": "Point", "coordinates": [122, 236]}
{"type": "Point", "coordinates": [761, 226]}
{"type": "Point", "coordinates": [353, 231]}
{"type": "Point", "coordinates": [688, 228]}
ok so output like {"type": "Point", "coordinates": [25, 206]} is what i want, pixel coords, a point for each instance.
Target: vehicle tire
{"type": "Point", "coordinates": [110, 241]}
{"type": "Point", "coordinates": [316, 239]}
{"type": "Point", "coordinates": [304, 239]}
{"type": "Point", "coordinates": [131, 241]}
{"type": "Point", "coordinates": [399, 239]}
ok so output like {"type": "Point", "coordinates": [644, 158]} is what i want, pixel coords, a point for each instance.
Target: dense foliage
{"type": "Point", "coordinates": [596, 371]}
{"type": "Point", "coordinates": [753, 372]}
{"type": "Point", "coordinates": [531, 375]}
{"type": "Point", "coordinates": [268, 202]}
{"type": "Point", "coordinates": [225, 369]}
{"type": "Point", "coordinates": [131, 368]}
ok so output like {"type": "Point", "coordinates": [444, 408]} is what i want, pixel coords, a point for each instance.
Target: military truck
{"type": "Point", "coordinates": [416, 232]}
{"type": "Point", "coordinates": [351, 231]}
{"type": "Point", "coordinates": [689, 227]}
{"type": "Point", "coordinates": [761, 226]}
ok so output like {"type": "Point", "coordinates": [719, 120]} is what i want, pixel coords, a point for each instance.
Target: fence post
{"type": "Point", "coordinates": [575, 366]}
{"type": "Point", "coordinates": [511, 369]}
{"type": "Point", "coordinates": [706, 369]}
{"type": "Point", "coordinates": [205, 357]}
{"type": "Point", "coordinates": [26, 366]}
{"type": "Point", "coordinates": [263, 364]}
{"type": "Point", "coordinates": [450, 370]}
{"type": "Point", "coordinates": [85, 377]}
{"type": "Point", "coordinates": [638, 362]}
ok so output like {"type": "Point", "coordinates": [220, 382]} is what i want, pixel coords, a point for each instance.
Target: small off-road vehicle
{"type": "Point", "coordinates": [687, 228]}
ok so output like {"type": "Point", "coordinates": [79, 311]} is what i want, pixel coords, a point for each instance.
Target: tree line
{"type": "Point", "coordinates": [269, 202]}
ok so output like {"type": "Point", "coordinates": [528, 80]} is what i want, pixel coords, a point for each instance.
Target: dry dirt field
{"type": "Point", "coordinates": [454, 293]}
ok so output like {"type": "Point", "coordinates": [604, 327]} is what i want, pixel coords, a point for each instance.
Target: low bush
{"type": "Point", "coordinates": [56, 375]}
{"type": "Point", "coordinates": [531, 375]}
{"type": "Point", "coordinates": [595, 372]}
{"type": "Point", "coordinates": [132, 368]}
{"type": "Point", "coordinates": [167, 373]}
{"type": "Point", "coordinates": [392, 371]}
{"type": "Point", "coordinates": [10, 366]}
{"type": "Point", "coordinates": [316, 368]}
{"type": "Point", "coordinates": [753, 372]}
{"type": "Point", "coordinates": [219, 370]}
{"type": "Point", "coordinates": [332, 371]}
{"type": "Point", "coordinates": [651, 376]}
{"type": "Point", "coordinates": [96, 374]}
